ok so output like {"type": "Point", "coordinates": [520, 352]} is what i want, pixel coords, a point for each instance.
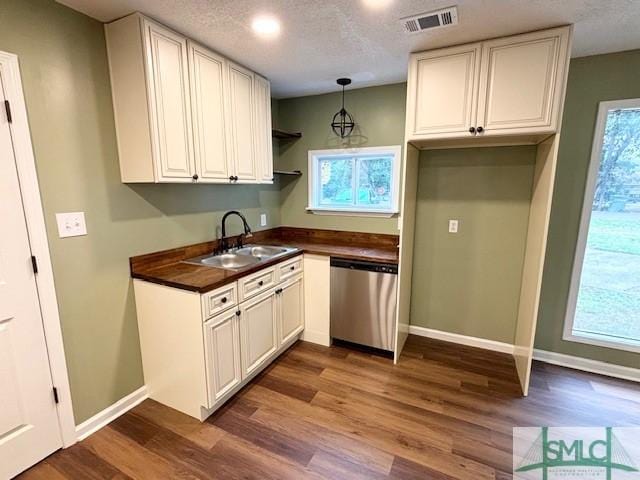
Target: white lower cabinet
{"type": "Point", "coordinates": [291, 309]}
{"type": "Point", "coordinates": [258, 331]}
{"type": "Point", "coordinates": [198, 350]}
{"type": "Point", "coordinates": [253, 331]}
{"type": "Point", "coordinates": [222, 354]}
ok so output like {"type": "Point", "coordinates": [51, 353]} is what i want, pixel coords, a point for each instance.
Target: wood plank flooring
{"type": "Point", "coordinates": [444, 412]}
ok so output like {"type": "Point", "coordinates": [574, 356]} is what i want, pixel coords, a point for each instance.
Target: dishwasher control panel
{"type": "Point", "coordinates": [364, 265]}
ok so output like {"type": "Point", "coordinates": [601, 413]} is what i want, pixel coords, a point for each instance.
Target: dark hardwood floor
{"type": "Point", "coordinates": [445, 412]}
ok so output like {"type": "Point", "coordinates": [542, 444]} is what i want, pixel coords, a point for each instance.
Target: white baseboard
{"type": "Point", "coordinates": [312, 336]}
{"type": "Point", "coordinates": [110, 413]}
{"type": "Point", "coordinates": [462, 339]}
{"type": "Point", "coordinates": [587, 365]}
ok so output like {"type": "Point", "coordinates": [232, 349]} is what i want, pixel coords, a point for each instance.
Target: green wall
{"type": "Point", "coordinates": [469, 283]}
{"type": "Point", "coordinates": [65, 78]}
{"type": "Point", "coordinates": [591, 80]}
{"type": "Point", "coordinates": [379, 114]}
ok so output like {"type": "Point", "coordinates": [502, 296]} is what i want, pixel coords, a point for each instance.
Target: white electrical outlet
{"type": "Point", "coordinates": [263, 219]}
{"type": "Point", "coordinates": [71, 224]}
{"type": "Point", "coordinates": [453, 226]}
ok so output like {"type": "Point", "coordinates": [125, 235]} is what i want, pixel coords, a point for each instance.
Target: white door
{"type": "Point", "coordinates": [263, 142]}
{"type": "Point", "coordinates": [291, 309]}
{"type": "Point", "coordinates": [518, 83]}
{"type": "Point", "coordinates": [170, 104]}
{"type": "Point", "coordinates": [222, 350]}
{"type": "Point", "coordinates": [29, 428]}
{"type": "Point", "coordinates": [258, 331]}
{"type": "Point", "coordinates": [241, 101]}
{"type": "Point", "coordinates": [208, 74]}
{"type": "Point", "coordinates": [443, 92]}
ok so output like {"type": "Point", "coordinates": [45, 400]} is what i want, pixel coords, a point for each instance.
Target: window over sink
{"type": "Point", "coordinates": [359, 181]}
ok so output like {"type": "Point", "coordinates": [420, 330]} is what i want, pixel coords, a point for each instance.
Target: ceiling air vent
{"type": "Point", "coordinates": [427, 21]}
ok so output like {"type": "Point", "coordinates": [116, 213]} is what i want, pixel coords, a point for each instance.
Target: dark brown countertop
{"type": "Point", "coordinates": [167, 268]}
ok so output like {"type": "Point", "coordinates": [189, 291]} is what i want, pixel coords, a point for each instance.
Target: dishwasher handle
{"type": "Point", "coordinates": [391, 268]}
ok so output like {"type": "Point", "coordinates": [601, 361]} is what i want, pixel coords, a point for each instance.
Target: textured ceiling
{"type": "Point", "coordinates": [322, 40]}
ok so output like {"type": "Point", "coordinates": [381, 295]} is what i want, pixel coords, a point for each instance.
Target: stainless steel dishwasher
{"type": "Point", "coordinates": [363, 302]}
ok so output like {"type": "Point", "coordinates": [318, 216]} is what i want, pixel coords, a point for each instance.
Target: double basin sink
{"type": "Point", "coordinates": [239, 258]}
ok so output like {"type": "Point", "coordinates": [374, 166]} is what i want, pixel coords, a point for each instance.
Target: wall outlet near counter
{"type": "Point", "coordinates": [263, 219]}
{"type": "Point", "coordinates": [453, 226]}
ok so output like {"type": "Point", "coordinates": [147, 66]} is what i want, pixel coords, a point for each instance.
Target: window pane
{"type": "Point", "coordinates": [609, 294]}
{"type": "Point", "coordinates": [374, 182]}
{"type": "Point", "coordinates": [336, 181]}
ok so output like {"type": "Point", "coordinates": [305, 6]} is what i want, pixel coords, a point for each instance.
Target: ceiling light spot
{"type": "Point", "coordinates": [377, 4]}
{"type": "Point", "coordinates": [266, 26]}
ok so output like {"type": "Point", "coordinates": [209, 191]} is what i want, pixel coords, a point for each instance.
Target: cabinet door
{"type": "Point", "coordinates": [241, 105]}
{"type": "Point", "coordinates": [258, 331]}
{"type": "Point", "coordinates": [262, 121]}
{"type": "Point", "coordinates": [442, 92]}
{"type": "Point", "coordinates": [291, 309]}
{"type": "Point", "coordinates": [208, 74]}
{"type": "Point", "coordinates": [521, 82]}
{"type": "Point", "coordinates": [170, 104]}
{"type": "Point", "coordinates": [222, 351]}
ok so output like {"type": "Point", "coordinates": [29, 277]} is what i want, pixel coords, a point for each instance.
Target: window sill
{"type": "Point", "coordinates": [599, 340]}
{"type": "Point", "coordinates": [351, 213]}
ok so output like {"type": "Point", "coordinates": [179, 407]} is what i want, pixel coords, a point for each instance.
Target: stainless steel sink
{"type": "Point", "coordinates": [240, 258]}
{"type": "Point", "coordinates": [263, 251]}
{"type": "Point", "coordinates": [231, 261]}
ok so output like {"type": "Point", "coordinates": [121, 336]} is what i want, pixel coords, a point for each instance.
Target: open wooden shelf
{"type": "Point", "coordinates": [296, 173]}
{"type": "Point", "coordinates": [284, 135]}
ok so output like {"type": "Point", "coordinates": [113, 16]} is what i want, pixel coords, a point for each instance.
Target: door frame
{"type": "Point", "coordinates": [34, 216]}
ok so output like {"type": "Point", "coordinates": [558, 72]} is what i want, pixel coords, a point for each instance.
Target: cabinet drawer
{"type": "Point", "coordinates": [219, 300]}
{"type": "Point", "coordinates": [289, 268]}
{"type": "Point", "coordinates": [256, 283]}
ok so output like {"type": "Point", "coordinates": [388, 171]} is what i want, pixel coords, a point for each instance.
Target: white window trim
{"type": "Point", "coordinates": [578, 261]}
{"type": "Point", "coordinates": [396, 150]}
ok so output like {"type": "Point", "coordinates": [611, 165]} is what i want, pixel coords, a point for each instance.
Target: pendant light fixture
{"type": "Point", "coordinates": [342, 123]}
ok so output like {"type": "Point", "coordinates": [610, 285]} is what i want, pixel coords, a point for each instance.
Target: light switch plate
{"type": "Point", "coordinates": [71, 224]}
{"type": "Point", "coordinates": [263, 219]}
{"type": "Point", "coordinates": [453, 226]}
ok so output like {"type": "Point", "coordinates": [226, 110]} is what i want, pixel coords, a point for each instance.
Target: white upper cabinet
{"type": "Point", "coordinates": [505, 87]}
{"type": "Point", "coordinates": [184, 113]}
{"type": "Point", "coordinates": [262, 121]}
{"type": "Point", "coordinates": [242, 138]}
{"type": "Point", "coordinates": [208, 73]}
{"type": "Point", "coordinates": [444, 99]}
{"type": "Point", "coordinates": [520, 81]}
{"type": "Point", "coordinates": [170, 103]}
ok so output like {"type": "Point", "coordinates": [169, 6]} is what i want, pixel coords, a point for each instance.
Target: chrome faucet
{"type": "Point", "coordinates": [247, 230]}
